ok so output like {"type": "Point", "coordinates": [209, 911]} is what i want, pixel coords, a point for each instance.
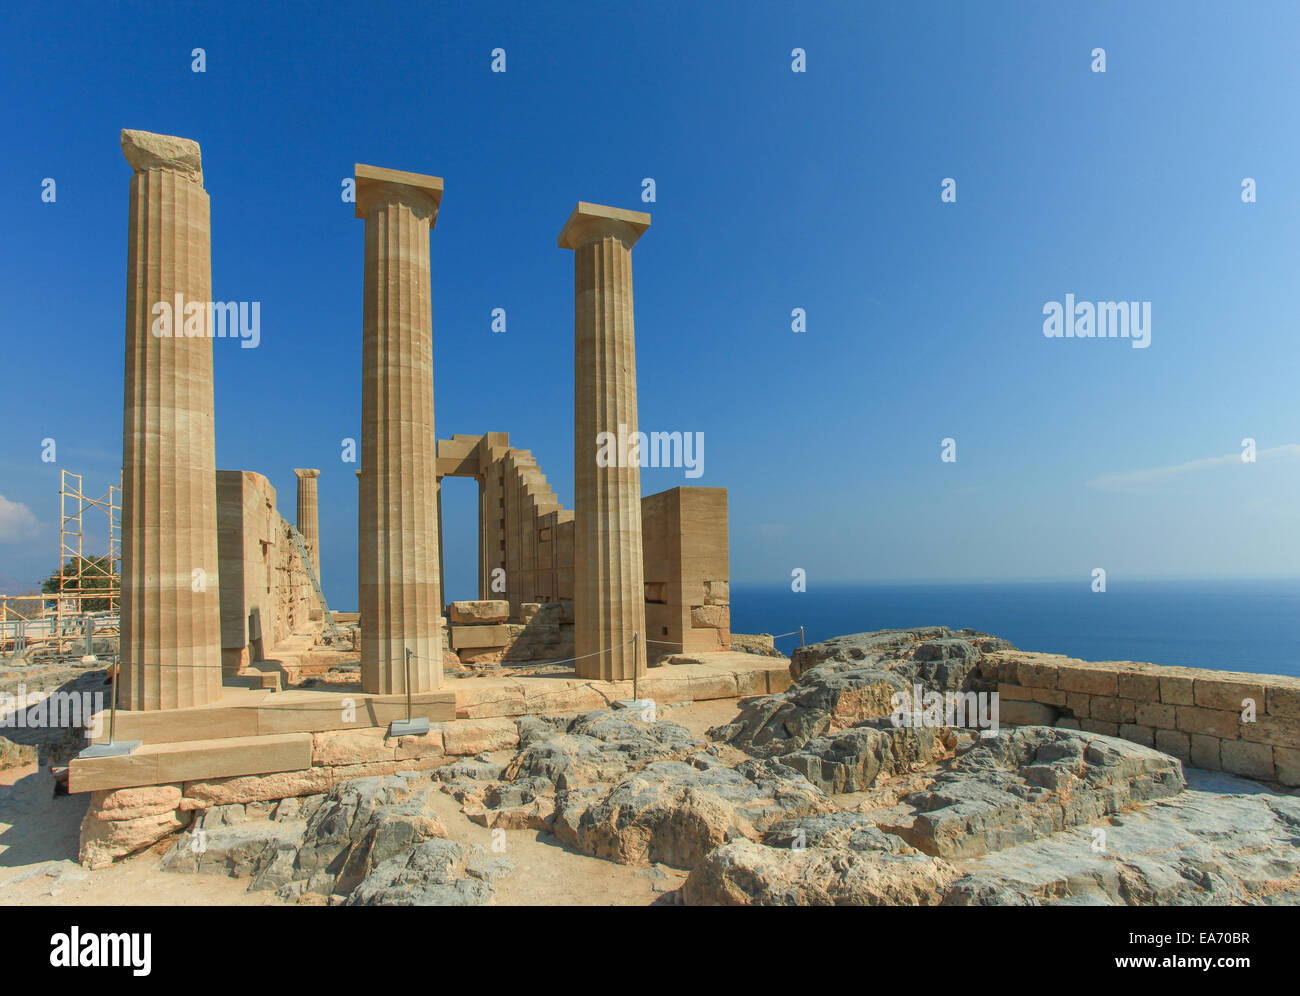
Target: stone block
{"type": "Point", "coordinates": [1051, 696]}
{"type": "Point", "coordinates": [1111, 710]}
{"type": "Point", "coordinates": [1284, 700]}
{"type": "Point", "coordinates": [476, 612]}
{"type": "Point", "coordinates": [351, 747]}
{"type": "Point", "coordinates": [1287, 762]}
{"type": "Point", "coordinates": [1272, 730]}
{"type": "Point", "coordinates": [1099, 726]}
{"type": "Point", "coordinates": [1035, 674]}
{"type": "Point", "coordinates": [133, 803]}
{"type": "Point", "coordinates": [1210, 722]}
{"type": "Point", "coordinates": [1228, 693]}
{"type": "Point", "coordinates": [1079, 704]}
{"type": "Point", "coordinates": [1139, 687]}
{"type": "Point", "coordinates": [465, 738]}
{"type": "Point", "coordinates": [473, 637]}
{"type": "Point", "coordinates": [710, 617]}
{"type": "Point", "coordinates": [254, 788]}
{"type": "Point", "coordinates": [1164, 717]}
{"type": "Point", "coordinates": [1016, 693]}
{"type": "Point", "coordinates": [717, 593]}
{"type": "Point", "coordinates": [1251, 760]}
{"type": "Point", "coordinates": [1144, 735]}
{"type": "Point", "coordinates": [1175, 743]}
{"type": "Point", "coordinates": [1205, 752]}
{"type": "Point", "coordinates": [1015, 713]}
{"type": "Point", "coordinates": [1092, 680]}
{"type": "Point", "coordinates": [1177, 690]}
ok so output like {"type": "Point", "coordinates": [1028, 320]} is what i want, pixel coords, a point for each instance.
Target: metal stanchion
{"type": "Point", "coordinates": [637, 704]}
{"type": "Point", "coordinates": [114, 747]}
{"type": "Point", "coordinates": [409, 727]}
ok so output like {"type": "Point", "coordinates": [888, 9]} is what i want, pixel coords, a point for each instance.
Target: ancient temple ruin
{"type": "Point", "coordinates": [238, 682]}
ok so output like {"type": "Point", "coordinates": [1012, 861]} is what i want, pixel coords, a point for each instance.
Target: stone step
{"type": "Point", "coordinates": [194, 760]}
{"type": "Point", "coordinates": [246, 713]}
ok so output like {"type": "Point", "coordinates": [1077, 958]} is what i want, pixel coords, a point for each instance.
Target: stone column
{"type": "Point", "coordinates": [609, 576]}
{"type": "Point", "coordinates": [170, 612]}
{"type": "Point", "coordinates": [309, 516]}
{"type": "Point", "coordinates": [400, 600]}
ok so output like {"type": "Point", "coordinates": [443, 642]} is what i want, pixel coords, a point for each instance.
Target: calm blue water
{"type": "Point", "coordinates": [1225, 625]}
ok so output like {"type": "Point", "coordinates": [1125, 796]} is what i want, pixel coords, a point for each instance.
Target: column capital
{"type": "Point", "coordinates": [145, 151]}
{"type": "Point", "coordinates": [302, 474]}
{"type": "Point", "coordinates": [590, 222]}
{"type": "Point", "coordinates": [375, 184]}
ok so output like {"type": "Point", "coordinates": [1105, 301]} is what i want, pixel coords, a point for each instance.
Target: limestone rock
{"type": "Point", "coordinates": [1223, 841]}
{"type": "Point", "coordinates": [14, 755]}
{"type": "Point", "coordinates": [430, 874]}
{"type": "Point", "coordinates": [846, 680]}
{"type": "Point", "coordinates": [674, 813]}
{"type": "Point", "coordinates": [852, 760]}
{"type": "Point", "coordinates": [745, 873]}
{"type": "Point", "coordinates": [104, 841]}
{"type": "Point", "coordinates": [1028, 783]}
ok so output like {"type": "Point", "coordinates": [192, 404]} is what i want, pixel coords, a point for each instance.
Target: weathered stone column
{"type": "Point", "coordinates": [309, 516]}
{"type": "Point", "coordinates": [400, 600]}
{"type": "Point", "coordinates": [609, 576]}
{"type": "Point", "coordinates": [171, 617]}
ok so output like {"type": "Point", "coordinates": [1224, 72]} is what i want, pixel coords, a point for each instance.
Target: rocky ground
{"type": "Point", "coordinates": [807, 797]}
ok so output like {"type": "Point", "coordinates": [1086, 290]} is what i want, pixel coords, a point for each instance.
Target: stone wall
{"type": "Point", "coordinates": [120, 822]}
{"type": "Point", "coordinates": [260, 569]}
{"type": "Point", "coordinates": [1247, 724]}
{"type": "Point", "coordinates": [526, 545]}
{"type": "Point", "coordinates": [687, 571]}
{"type": "Point", "coordinates": [482, 632]}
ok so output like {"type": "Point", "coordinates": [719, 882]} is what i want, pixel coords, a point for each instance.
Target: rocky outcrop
{"type": "Point", "coordinates": [372, 838]}
{"type": "Point", "coordinates": [1029, 783]}
{"type": "Point", "coordinates": [1224, 841]}
{"type": "Point", "coordinates": [674, 813]}
{"type": "Point", "coordinates": [843, 681]}
{"type": "Point", "coordinates": [745, 873]}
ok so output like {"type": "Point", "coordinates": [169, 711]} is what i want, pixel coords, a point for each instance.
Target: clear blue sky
{"type": "Point", "coordinates": [775, 190]}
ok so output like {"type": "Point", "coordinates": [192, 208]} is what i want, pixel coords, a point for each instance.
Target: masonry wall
{"type": "Point", "coordinates": [1202, 717]}
{"type": "Point", "coordinates": [259, 567]}
{"type": "Point", "coordinates": [687, 570]}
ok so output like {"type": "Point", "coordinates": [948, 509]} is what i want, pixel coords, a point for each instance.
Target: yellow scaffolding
{"type": "Point", "coordinates": [99, 578]}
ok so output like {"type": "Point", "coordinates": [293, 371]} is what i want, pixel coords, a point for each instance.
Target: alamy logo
{"type": "Point", "coordinates": [658, 449]}
{"type": "Point", "coordinates": [1103, 320]}
{"type": "Point", "coordinates": [181, 319]}
{"type": "Point", "coordinates": [929, 709]}
{"type": "Point", "coordinates": [93, 950]}
{"type": "Point", "coordinates": [56, 710]}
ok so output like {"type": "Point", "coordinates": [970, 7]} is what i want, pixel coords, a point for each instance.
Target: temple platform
{"type": "Point", "coordinates": [331, 728]}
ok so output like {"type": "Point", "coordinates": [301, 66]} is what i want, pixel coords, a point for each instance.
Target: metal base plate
{"type": "Point", "coordinates": [117, 748]}
{"type": "Point", "coordinates": [636, 705]}
{"type": "Point", "coordinates": [409, 727]}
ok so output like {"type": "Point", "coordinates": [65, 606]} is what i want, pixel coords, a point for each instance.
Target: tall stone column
{"type": "Point", "coordinates": [609, 574]}
{"type": "Point", "coordinates": [400, 600]}
{"type": "Point", "coordinates": [309, 516]}
{"type": "Point", "coordinates": [170, 611]}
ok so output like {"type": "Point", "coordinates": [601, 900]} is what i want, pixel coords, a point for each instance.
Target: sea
{"type": "Point", "coordinates": [1235, 625]}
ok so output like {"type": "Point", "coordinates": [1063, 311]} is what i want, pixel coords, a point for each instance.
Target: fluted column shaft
{"type": "Point", "coordinates": [170, 610]}
{"type": "Point", "coordinates": [400, 600]}
{"type": "Point", "coordinates": [609, 574]}
{"type": "Point", "coordinates": [309, 516]}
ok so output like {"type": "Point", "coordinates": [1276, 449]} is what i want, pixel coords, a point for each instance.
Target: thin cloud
{"type": "Point", "coordinates": [16, 521]}
{"type": "Point", "coordinates": [1140, 481]}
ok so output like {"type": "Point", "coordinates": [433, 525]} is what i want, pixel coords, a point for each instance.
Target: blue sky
{"type": "Point", "coordinates": [775, 190]}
